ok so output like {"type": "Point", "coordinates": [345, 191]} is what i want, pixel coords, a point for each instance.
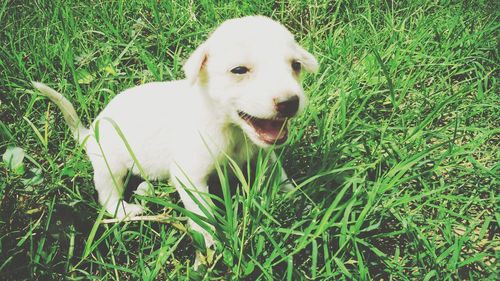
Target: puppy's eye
{"type": "Point", "coordinates": [296, 66]}
{"type": "Point", "coordinates": [240, 70]}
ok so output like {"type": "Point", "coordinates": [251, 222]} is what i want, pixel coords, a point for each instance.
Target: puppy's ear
{"type": "Point", "coordinates": [308, 61]}
{"type": "Point", "coordinates": [193, 67]}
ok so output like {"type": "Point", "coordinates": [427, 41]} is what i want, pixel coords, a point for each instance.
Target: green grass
{"type": "Point", "coordinates": [396, 156]}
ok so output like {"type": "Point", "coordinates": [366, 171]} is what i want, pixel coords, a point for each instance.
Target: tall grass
{"type": "Point", "coordinates": [395, 159]}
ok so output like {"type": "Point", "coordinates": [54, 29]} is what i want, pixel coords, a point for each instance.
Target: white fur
{"type": "Point", "coordinates": [180, 129]}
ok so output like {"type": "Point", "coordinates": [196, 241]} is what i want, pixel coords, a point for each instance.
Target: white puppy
{"type": "Point", "coordinates": [242, 82]}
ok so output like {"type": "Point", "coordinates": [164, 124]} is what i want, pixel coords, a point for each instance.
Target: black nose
{"type": "Point", "coordinates": [288, 108]}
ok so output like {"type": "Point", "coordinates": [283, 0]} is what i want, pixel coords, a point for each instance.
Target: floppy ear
{"type": "Point", "coordinates": [194, 65]}
{"type": "Point", "coordinates": [308, 61]}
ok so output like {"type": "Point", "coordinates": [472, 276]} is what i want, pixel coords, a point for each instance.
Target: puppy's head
{"type": "Point", "coordinates": [250, 68]}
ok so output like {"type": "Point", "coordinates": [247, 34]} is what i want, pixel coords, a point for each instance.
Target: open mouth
{"type": "Point", "coordinates": [271, 131]}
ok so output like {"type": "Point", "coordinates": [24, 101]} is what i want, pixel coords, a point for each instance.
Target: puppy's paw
{"type": "Point", "coordinates": [287, 187]}
{"type": "Point", "coordinates": [133, 210]}
{"type": "Point", "coordinates": [204, 259]}
{"type": "Point", "coordinates": [128, 210]}
{"type": "Point", "coordinates": [144, 189]}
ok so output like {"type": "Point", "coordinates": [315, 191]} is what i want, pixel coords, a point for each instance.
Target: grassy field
{"type": "Point", "coordinates": [396, 157]}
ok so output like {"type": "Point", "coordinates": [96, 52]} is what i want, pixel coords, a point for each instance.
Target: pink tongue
{"type": "Point", "coordinates": [270, 130]}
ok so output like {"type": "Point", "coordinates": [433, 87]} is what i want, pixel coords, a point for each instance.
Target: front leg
{"type": "Point", "coordinates": [286, 183]}
{"type": "Point", "coordinates": [190, 182]}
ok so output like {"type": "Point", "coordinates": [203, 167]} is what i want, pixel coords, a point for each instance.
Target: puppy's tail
{"type": "Point", "coordinates": [68, 111]}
